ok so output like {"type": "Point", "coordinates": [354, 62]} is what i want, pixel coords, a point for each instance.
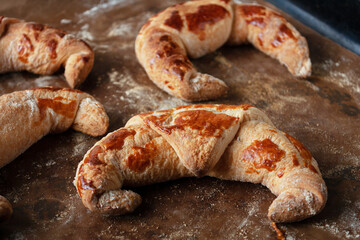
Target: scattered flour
{"type": "Point", "coordinates": [292, 99]}
{"type": "Point", "coordinates": [309, 198]}
{"type": "Point", "coordinates": [81, 144]}
{"type": "Point", "coordinates": [221, 59]}
{"type": "Point", "coordinates": [50, 163]}
{"type": "Point", "coordinates": [120, 29]}
{"type": "Point", "coordinates": [102, 7]}
{"type": "Point", "coordinates": [84, 33]}
{"type": "Point", "coordinates": [31, 102]}
{"type": "Point", "coordinates": [65, 21]}
{"type": "Point", "coordinates": [142, 97]}
{"type": "Point", "coordinates": [327, 71]}
{"type": "Point", "coordinates": [121, 79]}
{"type": "Point", "coordinates": [44, 81]}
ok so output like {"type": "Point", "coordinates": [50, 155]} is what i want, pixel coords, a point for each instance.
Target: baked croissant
{"type": "Point", "coordinates": [237, 143]}
{"type": "Point", "coordinates": [196, 28]}
{"type": "Point", "coordinates": [42, 49]}
{"type": "Point", "coordinates": [27, 116]}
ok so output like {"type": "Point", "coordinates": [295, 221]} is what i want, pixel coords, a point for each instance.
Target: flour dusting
{"type": "Point", "coordinates": [102, 7]}
{"type": "Point", "coordinates": [85, 33]}
{"type": "Point", "coordinates": [327, 70]}
{"type": "Point", "coordinates": [65, 21]}
{"type": "Point", "coordinates": [135, 95]}
{"type": "Point", "coordinates": [81, 144]}
{"type": "Point", "coordinates": [120, 30]}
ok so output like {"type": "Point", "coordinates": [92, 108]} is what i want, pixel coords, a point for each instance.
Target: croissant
{"type": "Point", "coordinates": [196, 28]}
{"type": "Point", "coordinates": [237, 143]}
{"type": "Point", "coordinates": [42, 49]}
{"type": "Point", "coordinates": [27, 116]}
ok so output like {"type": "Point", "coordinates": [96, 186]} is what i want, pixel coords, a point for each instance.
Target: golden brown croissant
{"type": "Point", "coordinates": [27, 116]}
{"type": "Point", "coordinates": [42, 49]}
{"type": "Point", "coordinates": [196, 28]}
{"type": "Point", "coordinates": [228, 142]}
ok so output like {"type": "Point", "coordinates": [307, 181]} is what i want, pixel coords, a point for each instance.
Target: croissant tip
{"type": "Point", "coordinates": [118, 202]}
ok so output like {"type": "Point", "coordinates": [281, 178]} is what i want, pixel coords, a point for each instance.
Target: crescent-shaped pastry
{"type": "Point", "coordinates": [195, 28]}
{"type": "Point", "coordinates": [237, 143]}
{"type": "Point", "coordinates": [41, 49]}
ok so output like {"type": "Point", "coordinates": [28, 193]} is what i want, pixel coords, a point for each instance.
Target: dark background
{"type": "Point", "coordinates": [335, 19]}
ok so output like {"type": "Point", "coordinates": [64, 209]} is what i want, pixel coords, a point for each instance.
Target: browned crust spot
{"type": "Point", "coordinates": [36, 26]}
{"type": "Point", "coordinates": [219, 107]}
{"type": "Point", "coordinates": [252, 10]}
{"type": "Point", "coordinates": [282, 35]}
{"type": "Point", "coordinates": [262, 154]}
{"type": "Point", "coordinates": [141, 157]}
{"type": "Point", "coordinates": [92, 157]}
{"type": "Point", "coordinates": [304, 153]}
{"type": "Point", "coordinates": [82, 183]}
{"type": "Point", "coordinates": [164, 38]}
{"type": "Point", "coordinates": [116, 139]}
{"type": "Point", "coordinates": [280, 173]}
{"type": "Point", "coordinates": [24, 48]}
{"type": "Point", "coordinates": [295, 160]}
{"type": "Point", "coordinates": [86, 59]}
{"type": "Point", "coordinates": [181, 66]}
{"type": "Point", "coordinates": [256, 21]}
{"type": "Point", "coordinates": [251, 170]}
{"type": "Point", "coordinates": [216, 107]}
{"type": "Point", "coordinates": [174, 21]}
{"type": "Point", "coordinates": [205, 15]}
{"type": "Point", "coordinates": [59, 107]}
{"type": "Point", "coordinates": [168, 51]}
{"type": "Point", "coordinates": [60, 33]}
{"type": "Point", "coordinates": [206, 122]}
{"type": "Point", "coordinates": [168, 47]}
{"type": "Point", "coordinates": [52, 45]}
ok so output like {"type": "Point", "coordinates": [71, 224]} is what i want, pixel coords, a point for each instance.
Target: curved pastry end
{"type": "Point", "coordinates": [118, 202]}
{"type": "Point", "coordinates": [91, 118]}
{"type": "Point", "coordinates": [204, 87]}
{"type": "Point", "coordinates": [78, 67]}
{"type": "Point", "coordinates": [295, 205]}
